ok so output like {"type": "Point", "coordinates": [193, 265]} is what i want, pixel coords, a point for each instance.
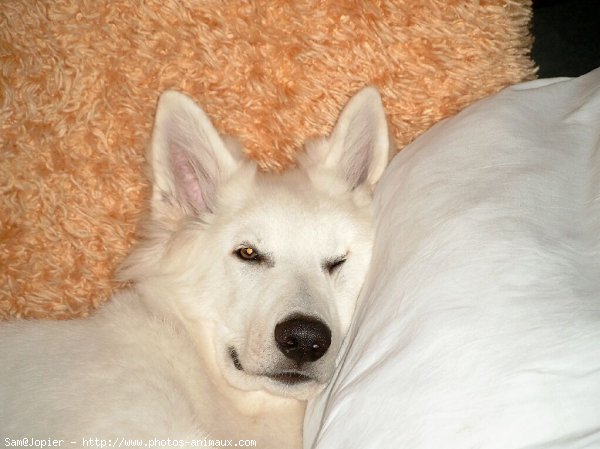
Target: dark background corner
{"type": "Point", "coordinates": [567, 37]}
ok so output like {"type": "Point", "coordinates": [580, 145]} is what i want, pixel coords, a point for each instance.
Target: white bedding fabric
{"type": "Point", "coordinates": [479, 324]}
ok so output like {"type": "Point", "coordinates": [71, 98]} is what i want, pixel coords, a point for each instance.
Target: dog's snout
{"type": "Point", "coordinates": [303, 338]}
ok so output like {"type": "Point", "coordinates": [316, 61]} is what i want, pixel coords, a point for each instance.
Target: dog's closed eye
{"type": "Point", "coordinates": [332, 265]}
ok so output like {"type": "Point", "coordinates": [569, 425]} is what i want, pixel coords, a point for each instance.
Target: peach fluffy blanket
{"type": "Point", "coordinates": [79, 80]}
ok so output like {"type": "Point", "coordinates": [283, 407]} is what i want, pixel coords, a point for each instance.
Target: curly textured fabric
{"type": "Point", "coordinates": [79, 82]}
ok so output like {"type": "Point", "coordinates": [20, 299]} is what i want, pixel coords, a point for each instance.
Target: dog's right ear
{"type": "Point", "coordinates": [189, 159]}
{"type": "Point", "coordinates": [360, 142]}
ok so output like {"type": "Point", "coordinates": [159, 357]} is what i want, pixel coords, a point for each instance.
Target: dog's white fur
{"type": "Point", "coordinates": [158, 360]}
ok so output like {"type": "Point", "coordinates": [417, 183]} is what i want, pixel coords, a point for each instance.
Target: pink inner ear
{"type": "Point", "coordinates": [187, 182]}
{"type": "Point", "coordinates": [357, 156]}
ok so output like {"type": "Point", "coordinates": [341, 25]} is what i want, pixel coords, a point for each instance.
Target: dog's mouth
{"type": "Point", "coordinates": [235, 358]}
{"type": "Point", "coordinates": [284, 377]}
{"type": "Point", "coordinates": [290, 377]}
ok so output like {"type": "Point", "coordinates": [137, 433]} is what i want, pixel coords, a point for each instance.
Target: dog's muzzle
{"type": "Point", "coordinates": [302, 340]}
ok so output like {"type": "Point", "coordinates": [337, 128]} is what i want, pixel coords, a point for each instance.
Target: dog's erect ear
{"type": "Point", "coordinates": [360, 141]}
{"type": "Point", "coordinates": [189, 159]}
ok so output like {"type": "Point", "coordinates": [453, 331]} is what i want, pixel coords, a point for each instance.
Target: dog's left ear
{"type": "Point", "coordinates": [189, 158]}
{"type": "Point", "coordinates": [360, 142]}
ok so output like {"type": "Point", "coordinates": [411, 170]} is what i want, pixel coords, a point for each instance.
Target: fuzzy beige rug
{"type": "Point", "coordinates": [79, 82]}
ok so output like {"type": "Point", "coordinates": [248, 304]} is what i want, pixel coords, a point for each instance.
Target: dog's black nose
{"type": "Point", "coordinates": [303, 338]}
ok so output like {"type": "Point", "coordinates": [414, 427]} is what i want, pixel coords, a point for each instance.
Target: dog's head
{"type": "Point", "coordinates": [264, 268]}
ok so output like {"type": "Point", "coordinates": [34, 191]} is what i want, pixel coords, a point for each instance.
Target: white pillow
{"type": "Point", "coordinates": [479, 324]}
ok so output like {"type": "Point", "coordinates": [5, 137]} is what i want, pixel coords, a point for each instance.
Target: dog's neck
{"type": "Point", "coordinates": [277, 419]}
{"type": "Point", "coordinates": [258, 414]}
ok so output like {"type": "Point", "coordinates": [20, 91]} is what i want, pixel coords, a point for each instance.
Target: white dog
{"type": "Point", "coordinates": [241, 294]}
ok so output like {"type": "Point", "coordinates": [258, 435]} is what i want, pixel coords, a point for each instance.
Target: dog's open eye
{"type": "Point", "coordinates": [332, 265]}
{"type": "Point", "coordinates": [248, 253]}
